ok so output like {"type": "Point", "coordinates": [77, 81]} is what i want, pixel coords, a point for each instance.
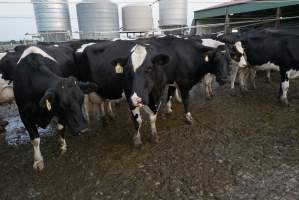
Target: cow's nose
{"type": "Point", "coordinates": [136, 100]}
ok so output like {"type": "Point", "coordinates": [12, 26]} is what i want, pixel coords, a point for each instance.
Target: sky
{"type": "Point", "coordinates": [16, 19]}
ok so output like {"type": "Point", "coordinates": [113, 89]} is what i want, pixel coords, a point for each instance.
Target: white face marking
{"type": "Point", "coordinates": [36, 50]}
{"type": "Point", "coordinates": [239, 47]}
{"type": "Point", "coordinates": [84, 46]}
{"type": "Point", "coordinates": [242, 62]}
{"type": "Point", "coordinates": [285, 86]}
{"type": "Point", "coordinates": [267, 66]}
{"type": "Point", "coordinates": [211, 43]}
{"type": "Point", "coordinates": [136, 100]}
{"type": "Point", "coordinates": [207, 59]}
{"type": "Point", "coordinates": [138, 56]}
{"type": "Point", "coordinates": [2, 55]}
{"type": "Point", "coordinates": [293, 73]}
{"type": "Point", "coordinates": [119, 69]}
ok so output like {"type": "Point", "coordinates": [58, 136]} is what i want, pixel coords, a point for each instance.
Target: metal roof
{"type": "Point", "coordinates": [240, 6]}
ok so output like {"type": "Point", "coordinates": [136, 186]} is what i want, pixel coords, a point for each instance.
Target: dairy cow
{"type": "Point", "coordinates": [40, 94]}
{"type": "Point", "coordinates": [164, 61]}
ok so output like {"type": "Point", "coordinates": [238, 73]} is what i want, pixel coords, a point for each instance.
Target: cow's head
{"type": "Point", "coordinates": [217, 62]}
{"type": "Point", "coordinates": [237, 54]}
{"type": "Point", "coordinates": [149, 77]}
{"type": "Point", "coordinates": [7, 65]}
{"type": "Point", "coordinates": [65, 101]}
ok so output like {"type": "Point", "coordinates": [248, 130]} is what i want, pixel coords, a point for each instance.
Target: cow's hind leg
{"type": "Point", "coordinates": [170, 95]}
{"type": "Point", "coordinates": [185, 97]}
{"type": "Point", "coordinates": [110, 112]}
{"type": "Point", "coordinates": [233, 77]}
{"type": "Point", "coordinates": [268, 75]}
{"type": "Point", "coordinates": [137, 123]}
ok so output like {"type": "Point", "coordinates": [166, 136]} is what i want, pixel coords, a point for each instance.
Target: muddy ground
{"type": "Point", "coordinates": [243, 147]}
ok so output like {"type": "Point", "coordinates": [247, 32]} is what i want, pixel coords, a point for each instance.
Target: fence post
{"type": "Point", "coordinates": [226, 26]}
{"type": "Point", "coordinates": [278, 15]}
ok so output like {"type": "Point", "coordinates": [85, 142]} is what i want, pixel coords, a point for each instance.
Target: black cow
{"type": "Point", "coordinates": [165, 61]}
{"type": "Point", "coordinates": [41, 94]}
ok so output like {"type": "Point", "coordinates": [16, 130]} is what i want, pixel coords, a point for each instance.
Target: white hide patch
{"type": "Point", "coordinates": [138, 56]}
{"type": "Point", "coordinates": [239, 47]}
{"type": "Point", "coordinates": [267, 66]}
{"type": "Point", "coordinates": [56, 45]}
{"type": "Point", "coordinates": [2, 55]}
{"type": "Point", "coordinates": [84, 46]}
{"type": "Point", "coordinates": [36, 50]}
{"type": "Point", "coordinates": [211, 43]}
{"type": "Point", "coordinates": [293, 73]}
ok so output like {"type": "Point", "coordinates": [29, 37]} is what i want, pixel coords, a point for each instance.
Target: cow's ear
{"type": "Point", "coordinates": [208, 56]}
{"type": "Point", "coordinates": [47, 100]}
{"type": "Point", "coordinates": [160, 59]}
{"type": "Point", "coordinates": [88, 87]}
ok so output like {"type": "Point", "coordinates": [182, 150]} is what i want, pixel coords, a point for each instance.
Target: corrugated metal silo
{"type": "Point", "coordinates": [98, 19]}
{"type": "Point", "coordinates": [137, 18]}
{"type": "Point", "coordinates": [52, 19]}
{"type": "Point", "coordinates": [172, 13]}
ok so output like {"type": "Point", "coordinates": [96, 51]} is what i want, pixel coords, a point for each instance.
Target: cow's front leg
{"type": "Point", "coordinates": [252, 78]}
{"type": "Point", "coordinates": [137, 123]}
{"type": "Point", "coordinates": [152, 112]}
{"type": "Point", "coordinates": [62, 142]}
{"type": "Point", "coordinates": [242, 78]}
{"type": "Point", "coordinates": [38, 163]}
{"type": "Point", "coordinates": [284, 87]}
{"type": "Point", "coordinates": [110, 112]}
{"type": "Point", "coordinates": [233, 77]}
{"type": "Point", "coordinates": [268, 75]}
{"type": "Point", "coordinates": [170, 95]}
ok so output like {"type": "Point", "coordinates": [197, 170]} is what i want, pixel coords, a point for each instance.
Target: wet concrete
{"type": "Point", "coordinates": [243, 147]}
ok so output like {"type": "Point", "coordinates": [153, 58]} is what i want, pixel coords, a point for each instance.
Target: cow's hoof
{"type": "Point", "coordinates": [169, 111]}
{"type": "Point", "coordinates": [209, 98]}
{"type": "Point", "coordinates": [233, 93]}
{"type": "Point", "coordinates": [268, 81]}
{"type": "Point", "coordinates": [189, 118]}
{"type": "Point", "coordinates": [155, 138]}
{"type": "Point", "coordinates": [244, 91]}
{"type": "Point", "coordinates": [284, 101]}
{"type": "Point", "coordinates": [38, 165]}
{"type": "Point", "coordinates": [137, 142]}
{"type": "Point", "coordinates": [63, 150]}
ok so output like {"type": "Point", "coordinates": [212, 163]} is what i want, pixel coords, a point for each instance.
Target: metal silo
{"type": "Point", "coordinates": [52, 19]}
{"type": "Point", "coordinates": [172, 13]}
{"type": "Point", "coordinates": [98, 19]}
{"type": "Point", "coordinates": [137, 18]}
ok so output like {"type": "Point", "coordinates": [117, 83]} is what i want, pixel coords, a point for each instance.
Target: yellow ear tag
{"type": "Point", "coordinates": [119, 69]}
{"type": "Point", "coordinates": [48, 104]}
{"type": "Point", "coordinates": [207, 59]}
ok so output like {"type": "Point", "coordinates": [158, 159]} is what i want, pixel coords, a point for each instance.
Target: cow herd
{"type": "Point", "coordinates": [60, 79]}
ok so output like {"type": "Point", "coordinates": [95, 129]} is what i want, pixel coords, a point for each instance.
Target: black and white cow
{"type": "Point", "coordinates": [277, 49]}
{"type": "Point", "coordinates": [169, 60]}
{"type": "Point", "coordinates": [41, 94]}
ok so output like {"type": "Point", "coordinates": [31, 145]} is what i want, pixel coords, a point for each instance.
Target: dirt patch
{"type": "Point", "coordinates": [243, 147]}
